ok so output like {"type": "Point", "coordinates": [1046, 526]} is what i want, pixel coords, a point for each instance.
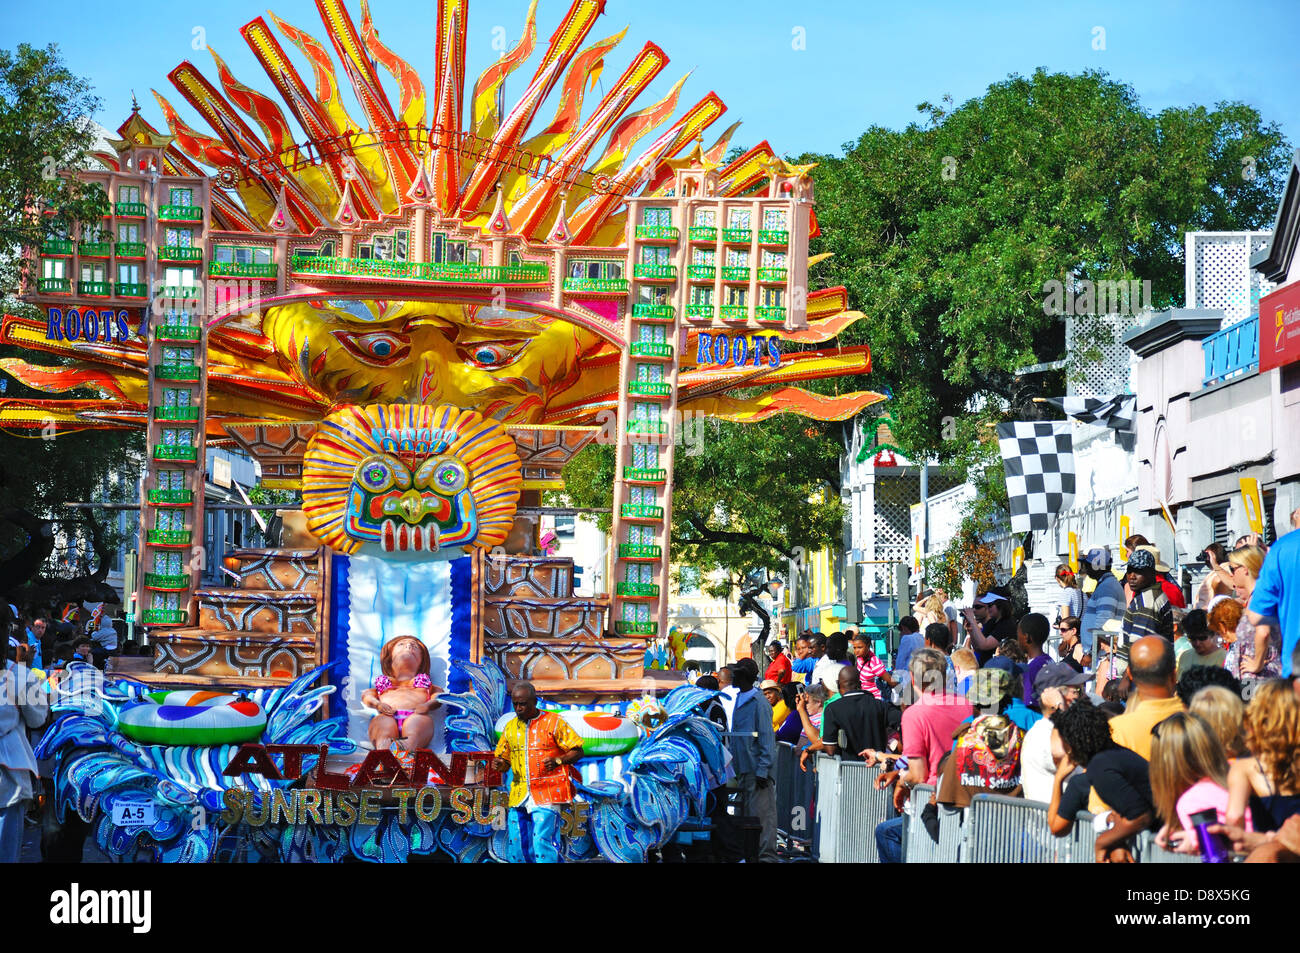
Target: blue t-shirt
{"type": "Point", "coordinates": [1277, 592]}
{"type": "Point", "coordinates": [906, 646]}
{"type": "Point", "coordinates": [804, 666]}
{"type": "Point", "coordinates": [1105, 603]}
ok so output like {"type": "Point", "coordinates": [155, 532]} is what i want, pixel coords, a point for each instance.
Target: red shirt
{"type": "Point", "coordinates": [779, 670]}
{"type": "Point", "coordinates": [1173, 593]}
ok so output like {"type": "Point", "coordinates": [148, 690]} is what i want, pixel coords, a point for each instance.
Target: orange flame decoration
{"type": "Point", "coordinates": [308, 350]}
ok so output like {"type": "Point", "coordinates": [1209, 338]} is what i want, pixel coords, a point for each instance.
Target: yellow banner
{"type": "Point", "coordinates": [1253, 502]}
{"type": "Point", "coordinates": [1017, 558]}
{"type": "Point", "coordinates": [1074, 552]}
{"type": "Point", "coordinates": [1123, 535]}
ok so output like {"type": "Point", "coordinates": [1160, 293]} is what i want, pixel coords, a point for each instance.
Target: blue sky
{"type": "Point", "coordinates": [863, 63]}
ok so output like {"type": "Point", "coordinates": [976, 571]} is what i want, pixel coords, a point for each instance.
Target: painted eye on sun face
{"type": "Point", "coordinates": [381, 471]}
{"type": "Point", "coordinates": [378, 348]}
{"type": "Point", "coordinates": [492, 354]}
{"type": "Point", "coordinates": [445, 475]}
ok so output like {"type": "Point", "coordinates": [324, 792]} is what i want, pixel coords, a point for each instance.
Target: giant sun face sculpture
{"type": "Point", "coordinates": [410, 481]}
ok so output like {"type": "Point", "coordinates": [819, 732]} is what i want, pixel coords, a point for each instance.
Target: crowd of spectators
{"type": "Point", "coordinates": [1127, 705]}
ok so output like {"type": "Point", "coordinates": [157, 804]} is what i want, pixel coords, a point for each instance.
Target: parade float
{"type": "Point", "coordinates": [414, 311]}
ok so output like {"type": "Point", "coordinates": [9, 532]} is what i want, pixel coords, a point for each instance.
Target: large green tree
{"type": "Point", "coordinates": [45, 128]}
{"type": "Point", "coordinates": [947, 235]}
{"type": "Point", "coordinates": [745, 496]}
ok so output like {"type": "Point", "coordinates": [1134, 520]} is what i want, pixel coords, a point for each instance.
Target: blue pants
{"type": "Point", "coordinates": [534, 838]}
{"type": "Point", "coordinates": [889, 840]}
{"type": "Point", "coordinates": [11, 832]}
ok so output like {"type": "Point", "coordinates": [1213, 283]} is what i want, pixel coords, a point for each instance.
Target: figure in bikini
{"type": "Point", "coordinates": [404, 696]}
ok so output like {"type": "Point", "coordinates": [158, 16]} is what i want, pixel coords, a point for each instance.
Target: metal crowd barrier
{"type": "Point", "coordinates": [848, 809]}
{"type": "Point", "coordinates": [918, 846]}
{"type": "Point", "coordinates": [796, 795]}
{"type": "Point", "coordinates": [995, 829]}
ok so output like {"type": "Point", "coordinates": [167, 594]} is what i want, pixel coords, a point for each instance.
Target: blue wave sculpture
{"type": "Point", "coordinates": [663, 781]}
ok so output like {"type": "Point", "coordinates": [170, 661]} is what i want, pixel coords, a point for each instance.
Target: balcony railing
{"type": "Point", "coordinates": [126, 289]}
{"type": "Point", "coordinates": [644, 428]}
{"type": "Point", "coordinates": [637, 590]}
{"type": "Point", "coordinates": [659, 233]}
{"type": "Point", "coordinates": [177, 332]}
{"type": "Point", "coordinates": [94, 289]}
{"type": "Point", "coordinates": [94, 249]}
{"type": "Point", "coordinates": [168, 537]}
{"type": "Point", "coordinates": [180, 213]}
{"type": "Point", "coordinates": [131, 209]}
{"type": "Point", "coordinates": [54, 285]}
{"type": "Point", "coordinates": [176, 372]}
{"type": "Point", "coordinates": [653, 312]}
{"type": "Point", "coordinates": [642, 511]}
{"type": "Point", "coordinates": [771, 236]}
{"type": "Point", "coordinates": [235, 269]}
{"type": "Point", "coordinates": [655, 272]}
{"type": "Point", "coordinates": [166, 616]}
{"type": "Point", "coordinates": [166, 582]}
{"type": "Point", "coordinates": [771, 314]}
{"type": "Point", "coordinates": [526, 273]}
{"type": "Point", "coordinates": [704, 233]}
{"type": "Point", "coordinates": [175, 452]}
{"type": "Point", "coordinates": [599, 285]}
{"type": "Point", "coordinates": [734, 312]}
{"type": "Point", "coordinates": [171, 497]}
{"type": "Point", "coordinates": [735, 273]}
{"type": "Point", "coordinates": [645, 474]}
{"type": "Point", "coordinates": [1232, 352]}
{"type": "Point", "coordinates": [648, 389]}
{"type": "Point", "coordinates": [700, 312]}
{"type": "Point", "coordinates": [130, 249]}
{"type": "Point", "coordinates": [175, 413]}
{"type": "Point", "coordinates": [639, 551]}
{"type": "Point", "coordinates": [737, 236]}
{"type": "Point", "coordinates": [56, 246]}
{"type": "Point", "coordinates": [772, 274]}
{"type": "Point", "coordinates": [701, 272]}
{"type": "Point", "coordinates": [651, 349]}
{"type": "Point", "coordinates": [180, 291]}
{"type": "Point", "coordinates": [636, 628]}
{"type": "Point", "coordinates": [180, 253]}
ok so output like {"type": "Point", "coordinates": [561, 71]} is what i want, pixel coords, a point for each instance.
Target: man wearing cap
{"type": "Point", "coordinates": [1149, 612]}
{"type": "Point", "coordinates": [1167, 585]}
{"type": "Point", "coordinates": [1106, 601]}
{"type": "Point", "coordinates": [1058, 687]}
{"type": "Point", "coordinates": [989, 622]}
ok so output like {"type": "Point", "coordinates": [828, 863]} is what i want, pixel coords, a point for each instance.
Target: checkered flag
{"type": "Point", "coordinates": [1039, 460]}
{"type": "Point", "coordinates": [1119, 413]}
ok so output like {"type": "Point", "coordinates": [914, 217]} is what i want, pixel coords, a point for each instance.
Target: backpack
{"type": "Point", "coordinates": [985, 759]}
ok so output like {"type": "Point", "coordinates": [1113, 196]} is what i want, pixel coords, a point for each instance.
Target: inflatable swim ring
{"type": "Point", "coordinates": [192, 718]}
{"type": "Point", "coordinates": [604, 735]}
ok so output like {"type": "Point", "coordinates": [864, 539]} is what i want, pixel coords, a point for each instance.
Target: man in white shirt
{"type": "Point", "coordinates": [1058, 687]}
{"type": "Point", "coordinates": [728, 691]}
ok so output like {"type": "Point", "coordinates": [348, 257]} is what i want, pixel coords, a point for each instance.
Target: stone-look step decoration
{"type": "Point", "coordinates": [528, 619]}
{"type": "Point", "coordinates": [278, 569]}
{"type": "Point", "coordinates": [241, 610]}
{"type": "Point", "coordinates": [541, 577]}
{"type": "Point", "coordinates": [550, 659]}
{"type": "Point", "coordinates": [219, 654]}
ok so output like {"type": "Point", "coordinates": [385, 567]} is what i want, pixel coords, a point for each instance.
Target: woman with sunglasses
{"type": "Point", "coordinates": [1205, 648]}
{"type": "Point", "coordinates": [1071, 647]}
{"type": "Point", "coordinates": [1257, 652]}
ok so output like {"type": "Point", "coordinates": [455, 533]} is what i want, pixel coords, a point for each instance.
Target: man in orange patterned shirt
{"type": "Point", "coordinates": [537, 747]}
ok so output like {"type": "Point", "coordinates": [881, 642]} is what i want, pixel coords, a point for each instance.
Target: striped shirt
{"type": "Point", "coordinates": [869, 670]}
